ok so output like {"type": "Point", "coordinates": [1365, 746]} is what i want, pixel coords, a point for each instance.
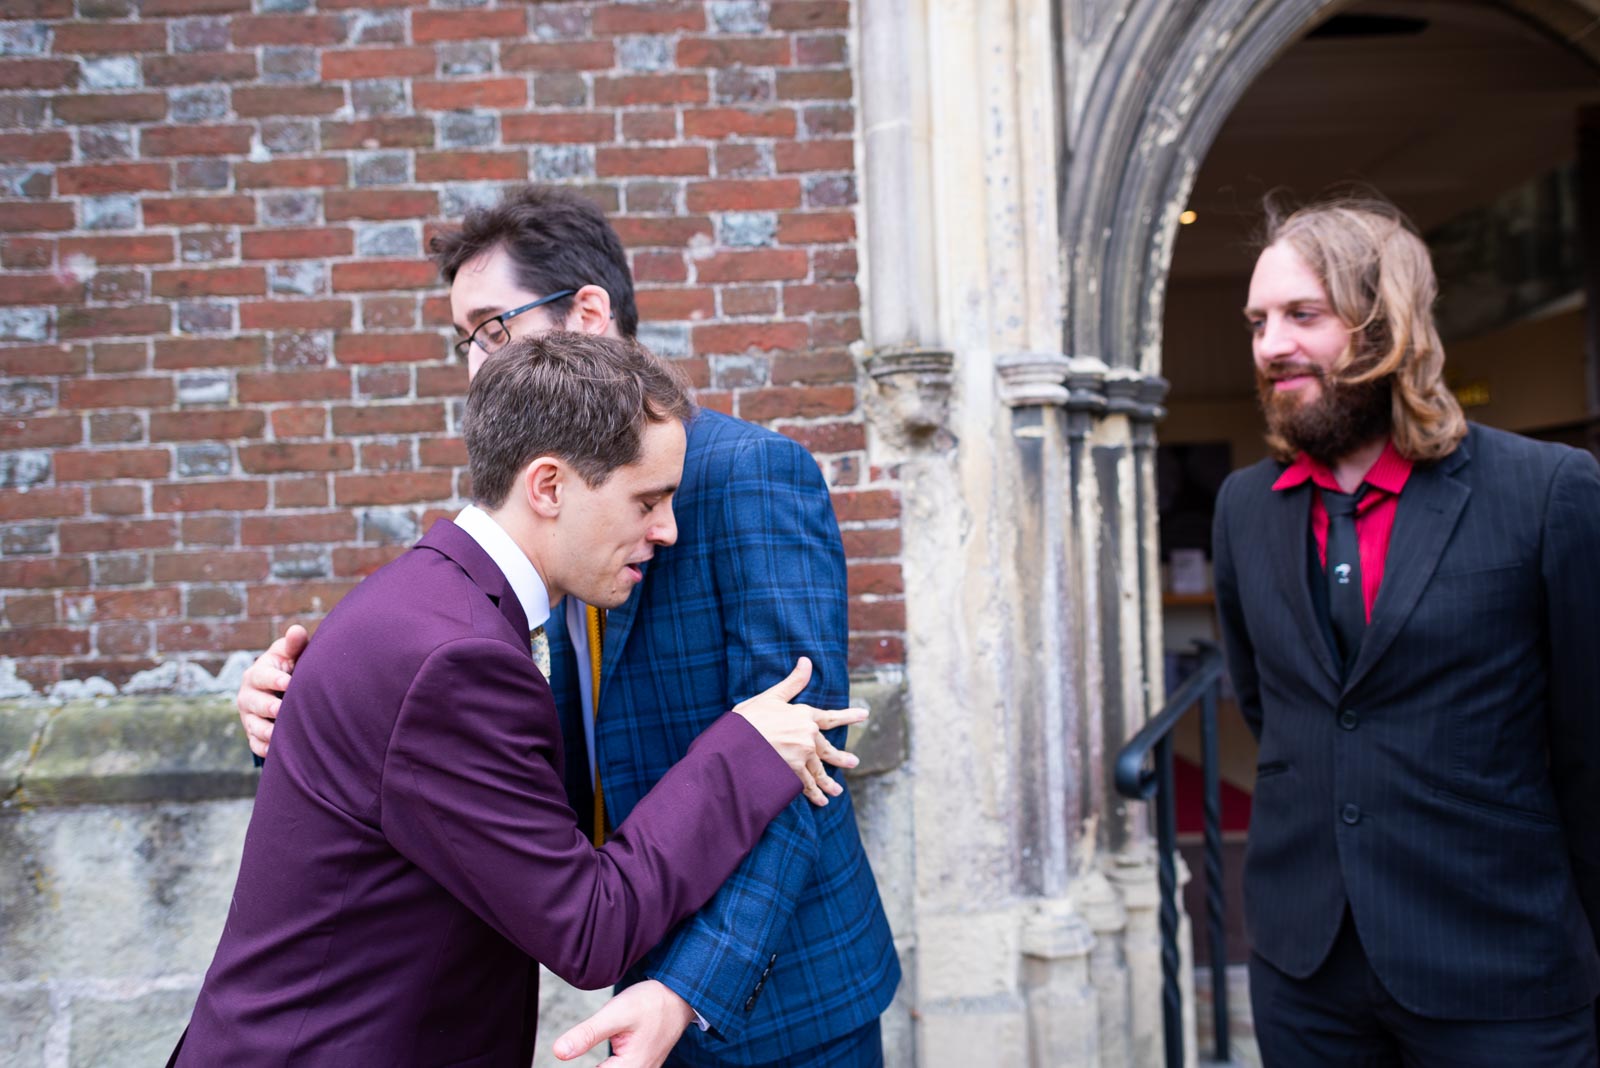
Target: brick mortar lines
{"type": "Point", "coordinates": [626, 129]}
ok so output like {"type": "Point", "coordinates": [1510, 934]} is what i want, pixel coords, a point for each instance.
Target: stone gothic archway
{"type": "Point", "coordinates": [1023, 166]}
{"type": "Point", "coordinates": [1193, 62]}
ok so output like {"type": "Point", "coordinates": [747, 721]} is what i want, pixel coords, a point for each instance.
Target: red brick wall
{"type": "Point", "coordinates": [226, 389]}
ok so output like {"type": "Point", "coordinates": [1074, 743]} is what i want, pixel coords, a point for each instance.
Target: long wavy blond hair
{"type": "Point", "coordinates": [1380, 281]}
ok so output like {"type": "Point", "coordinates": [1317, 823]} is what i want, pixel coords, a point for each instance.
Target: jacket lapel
{"type": "Point", "coordinates": [619, 623]}
{"type": "Point", "coordinates": [450, 540]}
{"type": "Point", "coordinates": [1425, 517]}
{"type": "Point", "coordinates": [1288, 518]}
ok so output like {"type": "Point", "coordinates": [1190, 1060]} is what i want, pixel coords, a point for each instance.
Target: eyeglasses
{"type": "Point", "coordinates": [491, 335]}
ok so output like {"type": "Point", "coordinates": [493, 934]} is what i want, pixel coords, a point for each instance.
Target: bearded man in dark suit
{"type": "Point", "coordinates": [1411, 609]}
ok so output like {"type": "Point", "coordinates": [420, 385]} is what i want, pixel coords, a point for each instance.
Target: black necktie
{"type": "Point", "coordinates": [1347, 606]}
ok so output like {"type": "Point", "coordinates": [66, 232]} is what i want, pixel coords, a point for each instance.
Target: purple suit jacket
{"type": "Point", "coordinates": [412, 851]}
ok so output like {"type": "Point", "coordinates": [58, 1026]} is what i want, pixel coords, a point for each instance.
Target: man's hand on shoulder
{"type": "Point", "coordinates": [261, 691]}
{"type": "Point", "coordinates": [643, 1023]}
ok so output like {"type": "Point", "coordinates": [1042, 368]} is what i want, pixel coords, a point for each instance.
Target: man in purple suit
{"type": "Point", "coordinates": [412, 851]}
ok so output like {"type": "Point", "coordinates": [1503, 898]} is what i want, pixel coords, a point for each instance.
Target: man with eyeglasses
{"type": "Point", "coordinates": [492, 334]}
{"type": "Point", "coordinates": [792, 962]}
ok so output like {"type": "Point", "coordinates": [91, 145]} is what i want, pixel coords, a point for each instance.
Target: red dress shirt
{"type": "Point", "coordinates": [1374, 517]}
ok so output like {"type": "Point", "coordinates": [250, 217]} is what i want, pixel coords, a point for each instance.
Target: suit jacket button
{"type": "Point", "coordinates": [1348, 719]}
{"type": "Point", "coordinates": [750, 1004]}
{"type": "Point", "coordinates": [1351, 815]}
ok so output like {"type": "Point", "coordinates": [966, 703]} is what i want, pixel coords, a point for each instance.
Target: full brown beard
{"type": "Point", "coordinates": [1343, 418]}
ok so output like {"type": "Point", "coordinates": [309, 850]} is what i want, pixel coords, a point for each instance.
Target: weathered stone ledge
{"type": "Point", "coordinates": [884, 741]}
{"type": "Point", "coordinates": [120, 750]}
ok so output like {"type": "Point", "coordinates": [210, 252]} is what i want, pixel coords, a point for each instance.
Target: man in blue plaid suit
{"type": "Point", "coordinates": [792, 962]}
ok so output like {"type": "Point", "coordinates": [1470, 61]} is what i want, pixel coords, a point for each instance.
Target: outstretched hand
{"type": "Point", "coordinates": [261, 691]}
{"type": "Point", "coordinates": [643, 1023]}
{"type": "Point", "coordinates": [795, 731]}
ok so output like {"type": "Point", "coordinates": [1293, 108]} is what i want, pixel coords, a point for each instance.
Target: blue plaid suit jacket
{"type": "Point", "coordinates": [795, 949]}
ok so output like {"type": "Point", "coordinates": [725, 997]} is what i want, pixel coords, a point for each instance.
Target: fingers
{"type": "Point", "coordinates": [837, 757]}
{"type": "Point", "coordinates": [586, 1035]}
{"type": "Point", "coordinates": [266, 675]}
{"type": "Point", "coordinates": [620, 1059]}
{"type": "Point", "coordinates": [269, 674]}
{"type": "Point", "coordinates": [824, 781]}
{"type": "Point", "coordinates": [261, 704]}
{"type": "Point", "coordinates": [798, 679]}
{"type": "Point", "coordinates": [272, 669]}
{"type": "Point", "coordinates": [258, 732]}
{"type": "Point", "coordinates": [809, 787]}
{"type": "Point", "coordinates": [829, 718]}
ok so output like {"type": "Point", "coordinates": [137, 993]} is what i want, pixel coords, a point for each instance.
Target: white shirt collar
{"type": "Point", "coordinates": [512, 562]}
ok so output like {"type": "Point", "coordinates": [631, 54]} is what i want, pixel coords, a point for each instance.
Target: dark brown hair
{"type": "Point", "coordinates": [1379, 278]}
{"type": "Point", "coordinates": [557, 240]}
{"type": "Point", "coordinates": [582, 398]}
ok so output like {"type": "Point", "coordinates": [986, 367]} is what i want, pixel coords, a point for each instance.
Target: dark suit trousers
{"type": "Point", "coordinates": [1341, 1015]}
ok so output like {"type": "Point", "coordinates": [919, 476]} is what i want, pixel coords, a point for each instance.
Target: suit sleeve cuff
{"type": "Point", "coordinates": [761, 773]}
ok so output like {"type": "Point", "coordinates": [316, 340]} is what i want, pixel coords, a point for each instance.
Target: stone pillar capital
{"type": "Point", "coordinates": [1100, 903]}
{"type": "Point", "coordinates": [1134, 394]}
{"type": "Point", "coordinates": [1122, 388]}
{"type": "Point", "coordinates": [1086, 385]}
{"type": "Point", "coordinates": [1033, 378]}
{"type": "Point", "coordinates": [913, 387]}
{"type": "Point", "coordinates": [1054, 930]}
{"type": "Point", "coordinates": [1152, 391]}
{"type": "Point", "coordinates": [1133, 873]}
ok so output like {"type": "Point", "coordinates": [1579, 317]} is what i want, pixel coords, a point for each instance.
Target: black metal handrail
{"type": "Point", "coordinates": [1138, 782]}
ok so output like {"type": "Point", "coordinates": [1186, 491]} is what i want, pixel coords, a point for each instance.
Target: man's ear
{"type": "Point", "coordinates": [544, 485]}
{"type": "Point", "coordinates": [590, 312]}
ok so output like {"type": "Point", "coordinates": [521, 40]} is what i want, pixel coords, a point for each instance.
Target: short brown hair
{"type": "Point", "coordinates": [1379, 278]}
{"type": "Point", "coordinates": [557, 240]}
{"type": "Point", "coordinates": [582, 398]}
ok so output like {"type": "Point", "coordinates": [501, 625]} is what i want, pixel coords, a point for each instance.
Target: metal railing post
{"type": "Point", "coordinates": [1134, 780]}
{"type": "Point", "coordinates": [1167, 881]}
{"type": "Point", "coordinates": [1215, 919]}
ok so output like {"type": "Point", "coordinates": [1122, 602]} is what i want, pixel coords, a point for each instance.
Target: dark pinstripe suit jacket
{"type": "Point", "coordinates": [1448, 788]}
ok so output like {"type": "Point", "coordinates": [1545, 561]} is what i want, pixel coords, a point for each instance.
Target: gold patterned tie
{"type": "Point", "coordinates": [596, 620]}
{"type": "Point", "coordinates": [540, 645]}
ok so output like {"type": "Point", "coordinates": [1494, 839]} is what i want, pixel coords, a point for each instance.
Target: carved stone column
{"type": "Point", "coordinates": [1134, 876]}
{"type": "Point", "coordinates": [1033, 385]}
{"type": "Point", "coordinates": [1063, 1004]}
{"type": "Point", "coordinates": [1103, 909]}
